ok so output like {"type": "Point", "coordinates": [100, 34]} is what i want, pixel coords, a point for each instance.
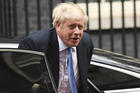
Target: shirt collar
{"type": "Point", "coordinates": [62, 46]}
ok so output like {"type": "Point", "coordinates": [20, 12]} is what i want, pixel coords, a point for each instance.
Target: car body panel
{"type": "Point", "coordinates": [131, 90]}
{"type": "Point", "coordinates": [8, 45]}
{"type": "Point", "coordinates": [111, 72]}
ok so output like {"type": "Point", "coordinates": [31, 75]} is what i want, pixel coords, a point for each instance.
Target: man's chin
{"type": "Point", "coordinates": [72, 44]}
{"type": "Point", "coordinates": [75, 44]}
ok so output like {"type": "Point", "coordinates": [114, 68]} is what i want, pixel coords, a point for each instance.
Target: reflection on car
{"type": "Point", "coordinates": [114, 73]}
{"type": "Point", "coordinates": [8, 45]}
{"type": "Point", "coordinates": [25, 71]}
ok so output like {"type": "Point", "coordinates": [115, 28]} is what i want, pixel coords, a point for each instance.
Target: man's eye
{"type": "Point", "coordinates": [80, 27]}
{"type": "Point", "coordinates": [72, 26]}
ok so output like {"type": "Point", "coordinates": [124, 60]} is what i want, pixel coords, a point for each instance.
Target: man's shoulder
{"type": "Point", "coordinates": [38, 40]}
{"type": "Point", "coordinates": [86, 40]}
{"type": "Point", "coordinates": [86, 36]}
{"type": "Point", "coordinates": [41, 33]}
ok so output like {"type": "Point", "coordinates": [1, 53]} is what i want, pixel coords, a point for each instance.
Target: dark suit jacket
{"type": "Point", "coordinates": [46, 41]}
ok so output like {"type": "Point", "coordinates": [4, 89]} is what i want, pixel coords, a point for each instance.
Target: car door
{"type": "Point", "coordinates": [108, 79]}
{"type": "Point", "coordinates": [25, 71]}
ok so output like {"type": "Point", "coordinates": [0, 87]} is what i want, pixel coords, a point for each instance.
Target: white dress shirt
{"type": "Point", "coordinates": [64, 86]}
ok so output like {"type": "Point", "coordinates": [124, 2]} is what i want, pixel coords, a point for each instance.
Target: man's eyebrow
{"type": "Point", "coordinates": [72, 25]}
{"type": "Point", "coordinates": [75, 24]}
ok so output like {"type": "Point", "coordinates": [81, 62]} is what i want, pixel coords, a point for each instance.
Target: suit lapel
{"type": "Point", "coordinates": [53, 56]}
{"type": "Point", "coordinates": [82, 65]}
{"type": "Point", "coordinates": [81, 54]}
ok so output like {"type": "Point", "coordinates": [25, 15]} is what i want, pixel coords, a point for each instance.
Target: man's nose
{"type": "Point", "coordinates": [77, 30]}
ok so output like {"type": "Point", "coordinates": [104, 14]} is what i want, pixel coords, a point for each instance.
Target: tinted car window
{"type": "Point", "coordinates": [107, 79]}
{"type": "Point", "coordinates": [24, 71]}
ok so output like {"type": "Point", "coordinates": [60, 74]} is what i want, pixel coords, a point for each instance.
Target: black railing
{"type": "Point", "coordinates": [15, 30]}
{"type": "Point", "coordinates": [38, 15]}
{"type": "Point", "coordinates": [135, 31]}
{"type": "Point", "coordinates": [16, 20]}
{"type": "Point", "coordinates": [111, 28]}
{"type": "Point", "coordinates": [8, 18]}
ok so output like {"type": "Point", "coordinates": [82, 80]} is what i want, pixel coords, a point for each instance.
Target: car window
{"type": "Point", "coordinates": [107, 79]}
{"type": "Point", "coordinates": [30, 65]}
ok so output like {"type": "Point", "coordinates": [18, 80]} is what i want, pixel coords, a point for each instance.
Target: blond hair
{"type": "Point", "coordinates": [68, 10]}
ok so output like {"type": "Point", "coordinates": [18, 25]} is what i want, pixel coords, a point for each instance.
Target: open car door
{"type": "Point", "coordinates": [25, 71]}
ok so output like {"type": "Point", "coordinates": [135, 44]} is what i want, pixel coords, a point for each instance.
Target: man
{"type": "Point", "coordinates": [69, 21]}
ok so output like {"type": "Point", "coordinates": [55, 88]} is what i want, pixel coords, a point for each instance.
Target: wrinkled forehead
{"type": "Point", "coordinates": [74, 20]}
{"type": "Point", "coordinates": [77, 16]}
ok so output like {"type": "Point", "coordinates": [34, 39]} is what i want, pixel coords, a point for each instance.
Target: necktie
{"type": "Point", "coordinates": [71, 71]}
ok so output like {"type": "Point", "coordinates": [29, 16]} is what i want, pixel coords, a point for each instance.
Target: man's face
{"type": "Point", "coordinates": [71, 31]}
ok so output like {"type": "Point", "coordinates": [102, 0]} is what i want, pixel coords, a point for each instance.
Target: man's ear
{"type": "Point", "coordinates": [57, 24]}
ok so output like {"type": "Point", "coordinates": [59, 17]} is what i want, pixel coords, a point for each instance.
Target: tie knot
{"type": "Point", "coordinates": [69, 50]}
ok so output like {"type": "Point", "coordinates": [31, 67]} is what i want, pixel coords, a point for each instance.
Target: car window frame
{"type": "Point", "coordinates": [118, 70]}
{"type": "Point", "coordinates": [36, 53]}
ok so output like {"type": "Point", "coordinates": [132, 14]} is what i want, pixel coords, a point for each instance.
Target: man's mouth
{"type": "Point", "coordinates": [75, 38]}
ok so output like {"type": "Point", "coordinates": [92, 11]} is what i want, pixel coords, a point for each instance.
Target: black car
{"type": "Point", "coordinates": [26, 71]}
{"type": "Point", "coordinates": [114, 73]}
